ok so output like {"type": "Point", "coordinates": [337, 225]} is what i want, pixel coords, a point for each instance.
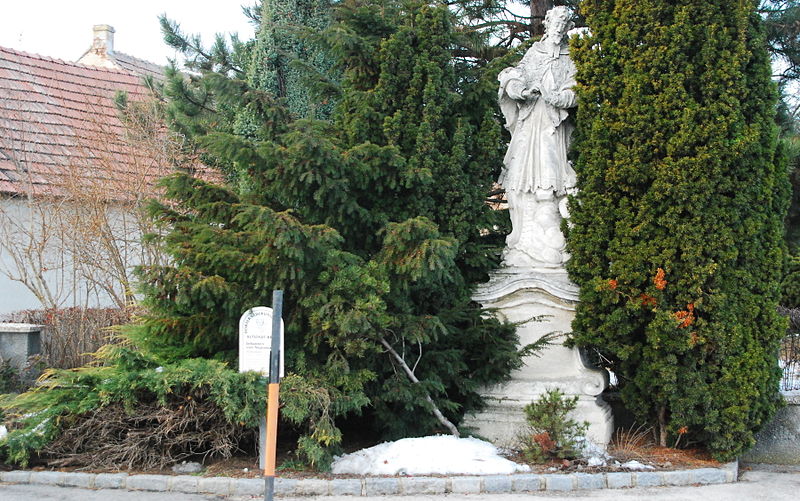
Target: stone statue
{"type": "Point", "coordinates": [534, 97]}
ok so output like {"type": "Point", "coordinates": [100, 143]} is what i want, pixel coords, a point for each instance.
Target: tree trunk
{"type": "Point", "coordinates": [538, 9]}
{"type": "Point", "coordinates": [662, 426]}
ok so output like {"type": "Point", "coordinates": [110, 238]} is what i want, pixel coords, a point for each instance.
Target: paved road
{"type": "Point", "coordinates": [753, 486]}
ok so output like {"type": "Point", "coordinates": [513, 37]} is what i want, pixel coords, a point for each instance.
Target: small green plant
{"type": "Point", "coordinates": [552, 433]}
{"type": "Point", "coordinates": [9, 377]}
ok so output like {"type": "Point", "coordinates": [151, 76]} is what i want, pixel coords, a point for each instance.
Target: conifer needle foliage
{"type": "Point", "coordinates": [677, 228]}
{"type": "Point", "coordinates": [374, 223]}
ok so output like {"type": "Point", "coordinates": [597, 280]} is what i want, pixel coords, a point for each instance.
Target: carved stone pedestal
{"type": "Point", "coordinates": [520, 295]}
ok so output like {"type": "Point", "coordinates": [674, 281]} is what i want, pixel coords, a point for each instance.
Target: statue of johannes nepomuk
{"type": "Point", "coordinates": [534, 97]}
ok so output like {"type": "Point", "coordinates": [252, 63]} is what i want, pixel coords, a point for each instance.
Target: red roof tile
{"type": "Point", "coordinates": [59, 126]}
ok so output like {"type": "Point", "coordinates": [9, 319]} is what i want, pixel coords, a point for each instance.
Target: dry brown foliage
{"type": "Point", "coordinates": [631, 443]}
{"type": "Point", "coordinates": [70, 335]}
{"type": "Point", "coordinates": [545, 442]}
{"type": "Point", "coordinates": [149, 437]}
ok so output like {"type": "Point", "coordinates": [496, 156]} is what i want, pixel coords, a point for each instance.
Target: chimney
{"type": "Point", "coordinates": [103, 42]}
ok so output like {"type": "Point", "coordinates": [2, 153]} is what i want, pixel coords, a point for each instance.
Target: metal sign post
{"type": "Point", "coordinates": [272, 396]}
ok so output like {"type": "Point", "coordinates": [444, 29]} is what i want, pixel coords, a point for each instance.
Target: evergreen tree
{"type": "Point", "coordinates": [284, 59]}
{"type": "Point", "coordinates": [374, 223]}
{"type": "Point", "coordinates": [676, 232]}
{"type": "Point", "coordinates": [782, 21]}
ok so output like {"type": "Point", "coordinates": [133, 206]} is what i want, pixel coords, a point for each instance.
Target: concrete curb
{"type": "Point", "coordinates": [371, 486]}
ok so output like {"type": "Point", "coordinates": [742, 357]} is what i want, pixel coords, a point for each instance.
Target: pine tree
{"type": "Point", "coordinates": [677, 228]}
{"type": "Point", "coordinates": [374, 222]}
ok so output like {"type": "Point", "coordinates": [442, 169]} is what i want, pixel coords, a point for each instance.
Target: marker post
{"type": "Point", "coordinates": [272, 396]}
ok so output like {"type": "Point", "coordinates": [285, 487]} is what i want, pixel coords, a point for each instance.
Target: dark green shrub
{"type": "Point", "coordinates": [677, 236]}
{"type": "Point", "coordinates": [133, 410]}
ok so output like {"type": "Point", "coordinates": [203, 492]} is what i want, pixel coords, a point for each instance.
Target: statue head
{"type": "Point", "coordinates": [557, 22]}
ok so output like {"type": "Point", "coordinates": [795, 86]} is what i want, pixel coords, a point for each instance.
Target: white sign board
{"type": "Point", "coordinates": [255, 340]}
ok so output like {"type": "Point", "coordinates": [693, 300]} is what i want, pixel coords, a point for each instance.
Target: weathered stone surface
{"type": "Point", "coordinates": [533, 282]}
{"type": "Point", "coordinates": [312, 487]}
{"type": "Point", "coordinates": [214, 485]}
{"type": "Point", "coordinates": [590, 480]}
{"type": "Point", "coordinates": [79, 479]}
{"type": "Point", "coordinates": [18, 342]}
{"type": "Point", "coordinates": [423, 485]}
{"type": "Point", "coordinates": [708, 476]}
{"type": "Point", "coordinates": [465, 485]}
{"type": "Point", "coordinates": [619, 480]}
{"type": "Point", "coordinates": [497, 484]}
{"type": "Point", "coordinates": [285, 486]}
{"type": "Point", "coordinates": [147, 482]}
{"type": "Point", "coordinates": [183, 483]}
{"type": "Point", "coordinates": [15, 477]}
{"type": "Point", "coordinates": [676, 478]}
{"type": "Point", "coordinates": [731, 471]}
{"type": "Point", "coordinates": [526, 483]}
{"type": "Point", "coordinates": [346, 487]}
{"type": "Point", "coordinates": [558, 482]}
{"type": "Point", "coordinates": [647, 479]}
{"type": "Point", "coordinates": [536, 174]}
{"type": "Point", "coordinates": [519, 295]}
{"type": "Point", "coordinates": [779, 441]}
{"type": "Point", "coordinates": [110, 480]}
{"type": "Point", "coordinates": [47, 477]}
{"type": "Point", "coordinates": [248, 487]}
{"type": "Point", "coordinates": [382, 486]}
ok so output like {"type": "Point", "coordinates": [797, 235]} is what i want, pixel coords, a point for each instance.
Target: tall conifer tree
{"type": "Point", "coordinates": [677, 228]}
{"type": "Point", "coordinates": [285, 61]}
{"type": "Point", "coordinates": [374, 222]}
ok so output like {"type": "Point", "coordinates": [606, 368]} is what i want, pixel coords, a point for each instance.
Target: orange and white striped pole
{"type": "Point", "coordinates": [272, 396]}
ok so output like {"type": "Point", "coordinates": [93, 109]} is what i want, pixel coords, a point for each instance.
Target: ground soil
{"type": "Point", "coordinates": [660, 458]}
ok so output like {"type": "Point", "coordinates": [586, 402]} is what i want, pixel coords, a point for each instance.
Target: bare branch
{"type": "Point", "coordinates": [410, 373]}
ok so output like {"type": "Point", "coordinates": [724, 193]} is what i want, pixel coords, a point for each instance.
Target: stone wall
{"type": "Point", "coordinates": [18, 342]}
{"type": "Point", "coordinates": [779, 441]}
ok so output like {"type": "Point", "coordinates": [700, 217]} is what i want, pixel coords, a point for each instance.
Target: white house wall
{"type": "Point", "coordinates": [63, 279]}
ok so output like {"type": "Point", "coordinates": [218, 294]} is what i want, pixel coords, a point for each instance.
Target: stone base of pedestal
{"type": "Point", "coordinates": [540, 301]}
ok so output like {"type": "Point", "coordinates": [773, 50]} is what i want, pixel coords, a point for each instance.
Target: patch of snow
{"type": "Point", "coordinates": [594, 454]}
{"type": "Point", "coordinates": [589, 449]}
{"type": "Point", "coordinates": [636, 466]}
{"type": "Point", "coordinates": [186, 468]}
{"type": "Point", "coordinates": [436, 455]}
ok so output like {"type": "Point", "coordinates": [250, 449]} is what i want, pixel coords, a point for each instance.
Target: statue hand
{"type": "Point", "coordinates": [562, 99]}
{"type": "Point", "coordinates": [515, 90]}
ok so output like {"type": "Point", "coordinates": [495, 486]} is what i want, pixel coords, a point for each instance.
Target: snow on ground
{"type": "Point", "coordinates": [436, 455]}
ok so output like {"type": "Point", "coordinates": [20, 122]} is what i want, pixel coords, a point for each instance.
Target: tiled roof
{"type": "Point", "coordinates": [138, 66]}
{"type": "Point", "coordinates": [59, 125]}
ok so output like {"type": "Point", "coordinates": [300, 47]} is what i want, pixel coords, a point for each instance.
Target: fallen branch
{"type": "Point", "coordinates": [436, 412]}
